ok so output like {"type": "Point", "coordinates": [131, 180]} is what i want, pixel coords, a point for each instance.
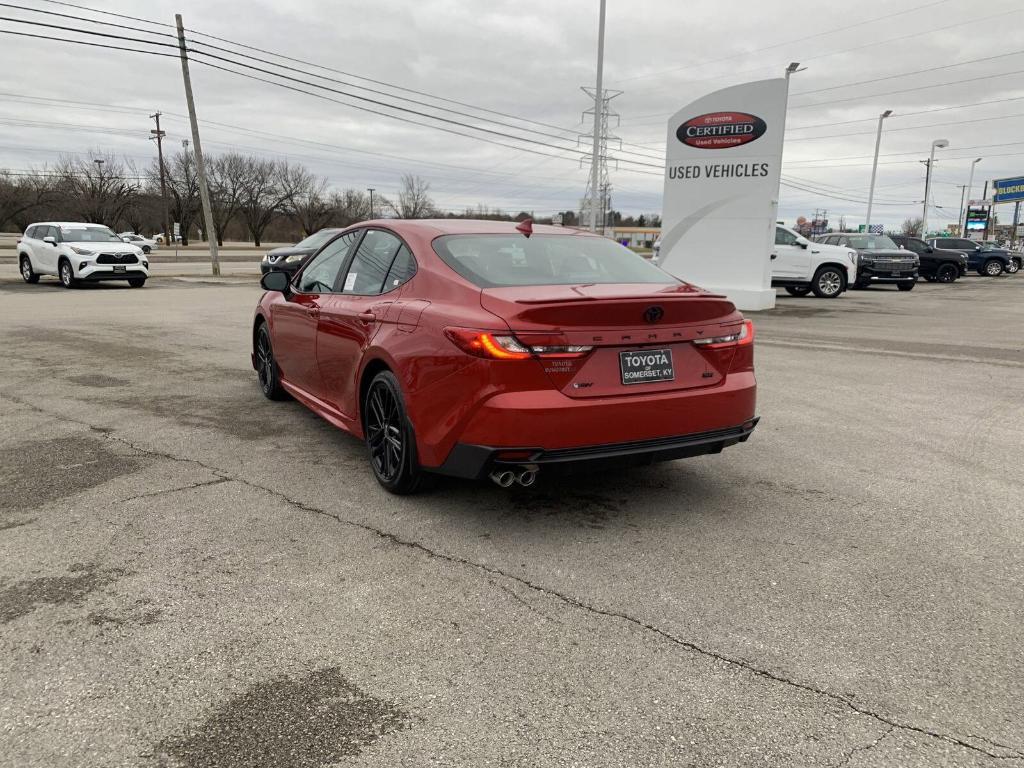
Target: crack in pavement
{"type": "Point", "coordinates": [219, 479]}
{"type": "Point", "coordinates": [762, 672]}
{"type": "Point", "coordinates": [849, 755]}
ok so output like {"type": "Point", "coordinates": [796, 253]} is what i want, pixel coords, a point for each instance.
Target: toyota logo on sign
{"type": "Point", "coordinates": [721, 130]}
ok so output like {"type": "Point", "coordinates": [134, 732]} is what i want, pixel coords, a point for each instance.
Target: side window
{"type": "Point", "coordinates": [53, 232]}
{"type": "Point", "coordinates": [31, 232]}
{"type": "Point", "coordinates": [402, 270]}
{"type": "Point", "coordinates": [371, 263]}
{"type": "Point", "coordinates": [913, 245]}
{"type": "Point", "coordinates": [322, 273]}
{"type": "Point", "coordinates": [784, 237]}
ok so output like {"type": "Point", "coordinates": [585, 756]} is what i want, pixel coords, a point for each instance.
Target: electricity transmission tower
{"type": "Point", "coordinates": [596, 203]}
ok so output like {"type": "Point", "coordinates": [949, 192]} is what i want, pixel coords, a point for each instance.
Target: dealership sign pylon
{"type": "Point", "coordinates": [723, 162]}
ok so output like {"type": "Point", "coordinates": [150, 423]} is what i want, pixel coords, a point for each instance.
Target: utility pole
{"type": "Point", "coordinates": [960, 221]}
{"type": "Point", "coordinates": [159, 136]}
{"type": "Point", "coordinates": [204, 192]}
{"type": "Point", "coordinates": [595, 161]}
{"type": "Point", "coordinates": [937, 144]}
{"type": "Point", "coordinates": [970, 191]}
{"type": "Point", "coordinates": [371, 191]}
{"type": "Point", "coordinates": [874, 168]}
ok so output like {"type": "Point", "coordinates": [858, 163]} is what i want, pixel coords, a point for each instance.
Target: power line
{"type": "Point", "coordinates": [85, 32]}
{"type": "Point", "coordinates": [904, 114]}
{"type": "Point", "coordinates": [83, 18]}
{"type": "Point", "coordinates": [108, 13]}
{"type": "Point", "coordinates": [91, 45]}
{"type": "Point", "coordinates": [908, 128]}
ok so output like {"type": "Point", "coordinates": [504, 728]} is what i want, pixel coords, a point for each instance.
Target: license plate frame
{"type": "Point", "coordinates": [120, 269]}
{"type": "Point", "coordinates": [646, 366]}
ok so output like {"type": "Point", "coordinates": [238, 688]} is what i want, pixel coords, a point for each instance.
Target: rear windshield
{"type": "Point", "coordinates": [495, 261]}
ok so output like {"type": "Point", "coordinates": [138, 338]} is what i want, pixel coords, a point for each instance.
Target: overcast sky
{"type": "Point", "coordinates": [529, 58]}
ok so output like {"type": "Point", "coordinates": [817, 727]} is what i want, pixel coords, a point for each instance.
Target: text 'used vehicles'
{"type": "Point", "coordinates": [475, 348]}
{"type": "Point", "coordinates": [77, 252]}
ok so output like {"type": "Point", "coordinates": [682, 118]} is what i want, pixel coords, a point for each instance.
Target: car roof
{"type": "Point", "coordinates": [76, 224]}
{"type": "Point", "coordinates": [437, 227]}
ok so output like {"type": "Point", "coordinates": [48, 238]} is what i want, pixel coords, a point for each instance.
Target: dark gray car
{"type": "Point", "coordinates": [289, 258]}
{"type": "Point", "coordinates": [879, 260]}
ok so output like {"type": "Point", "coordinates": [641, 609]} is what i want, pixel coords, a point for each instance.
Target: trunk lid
{"type": "Point", "coordinates": [614, 319]}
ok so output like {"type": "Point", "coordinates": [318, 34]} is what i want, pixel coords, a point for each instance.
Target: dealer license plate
{"type": "Point", "coordinates": [119, 268]}
{"type": "Point", "coordinates": [643, 366]}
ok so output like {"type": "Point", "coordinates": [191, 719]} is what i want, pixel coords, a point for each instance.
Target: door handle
{"type": "Point", "coordinates": [775, 256]}
{"type": "Point", "coordinates": [367, 317]}
{"type": "Point", "coordinates": [313, 311]}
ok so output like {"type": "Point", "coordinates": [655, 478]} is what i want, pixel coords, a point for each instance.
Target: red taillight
{"type": "Point", "coordinates": [486, 344]}
{"type": "Point", "coordinates": [505, 347]}
{"type": "Point", "coordinates": [741, 338]}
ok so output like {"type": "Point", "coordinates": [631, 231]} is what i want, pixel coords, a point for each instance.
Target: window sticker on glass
{"type": "Point", "coordinates": [350, 280]}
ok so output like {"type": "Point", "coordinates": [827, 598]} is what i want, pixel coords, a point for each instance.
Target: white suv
{"type": "Point", "coordinates": [76, 252]}
{"type": "Point", "coordinates": [800, 266]}
{"type": "Point", "coordinates": [144, 243]}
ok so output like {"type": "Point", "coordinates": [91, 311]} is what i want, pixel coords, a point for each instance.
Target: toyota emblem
{"type": "Point", "coordinates": [653, 314]}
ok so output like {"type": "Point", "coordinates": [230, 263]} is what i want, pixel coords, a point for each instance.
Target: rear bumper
{"type": "Point", "coordinates": [474, 461]}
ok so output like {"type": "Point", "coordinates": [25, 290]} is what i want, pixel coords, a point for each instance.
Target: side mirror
{"type": "Point", "coordinates": [977, 249]}
{"type": "Point", "coordinates": [803, 243]}
{"type": "Point", "coordinates": [275, 280]}
{"type": "Point", "coordinates": [929, 249]}
{"type": "Point", "coordinates": [126, 239]}
{"type": "Point", "coordinates": [50, 239]}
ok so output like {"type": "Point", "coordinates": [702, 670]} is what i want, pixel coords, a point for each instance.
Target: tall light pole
{"type": "Point", "coordinates": [371, 191]}
{"type": "Point", "coordinates": [874, 168]}
{"type": "Point", "coordinates": [937, 144]}
{"type": "Point", "coordinates": [595, 166]}
{"type": "Point", "coordinates": [970, 191]}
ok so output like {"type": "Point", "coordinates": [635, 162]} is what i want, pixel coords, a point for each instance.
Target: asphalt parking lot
{"type": "Point", "coordinates": [193, 576]}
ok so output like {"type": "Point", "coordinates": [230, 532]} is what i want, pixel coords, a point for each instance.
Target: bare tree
{"type": "Point", "coordinates": [183, 187]}
{"type": "Point", "coordinates": [267, 188]}
{"type": "Point", "coordinates": [414, 198]}
{"type": "Point", "coordinates": [23, 198]}
{"type": "Point", "coordinates": [228, 177]}
{"type": "Point", "coordinates": [912, 226]}
{"type": "Point", "coordinates": [350, 207]}
{"type": "Point", "coordinates": [97, 189]}
{"type": "Point", "coordinates": [308, 204]}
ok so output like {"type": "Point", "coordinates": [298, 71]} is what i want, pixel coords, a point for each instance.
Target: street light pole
{"type": "Point", "coordinates": [937, 144]}
{"type": "Point", "coordinates": [595, 166]}
{"type": "Point", "coordinates": [371, 190]}
{"type": "Point", "coordinates": [970, 191]}
{"type": "Point", "coordinates": [874, 168]}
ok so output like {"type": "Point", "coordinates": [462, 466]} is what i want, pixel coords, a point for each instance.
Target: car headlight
{"type": "Point", "coordinates": [294, 258]}
{"type": "Point", "coordinates": [81, 251]}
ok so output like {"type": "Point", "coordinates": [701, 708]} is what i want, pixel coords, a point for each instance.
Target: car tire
{"type": "Point", "coordinates": [267, 372]}
{"type": "Point", "coordinates": [1013, 267]}
{"type": "Point", "coordinates": [947, 273]}
{"type": "Point", "coordinates": [146, 249]}
{"type": "Point", "coordinates": [27, 273]}
{"type": "Point", "coordinates": [992, 268]}
{"type": "Point", "coordinates": [828, 283]}
{"type": "Point", "coordinates": [906, 286]}
{"type": "Point", "coordinates": [390, 440]}
{"type": "Point", "coordinates": [66, 273]}
{"type": "Point", "coordinates": [137, 282]}
{"type": "Point", "coordinates": [798, 290]}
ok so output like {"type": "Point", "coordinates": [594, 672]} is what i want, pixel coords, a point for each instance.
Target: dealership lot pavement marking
{"type": "Point", "coordinates": [189, 571]}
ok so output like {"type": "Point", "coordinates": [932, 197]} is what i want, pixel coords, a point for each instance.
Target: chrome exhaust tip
{"type": "Point", "coordinates": [504, 478]}
{"type": "Point", "coordinates": [527, 477]}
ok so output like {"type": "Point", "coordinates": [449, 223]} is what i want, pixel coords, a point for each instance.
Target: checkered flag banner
{"type": "Point", "coordinates": [874, 229]}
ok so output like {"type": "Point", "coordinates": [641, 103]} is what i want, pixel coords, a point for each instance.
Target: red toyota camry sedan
{"type": "Point", "coordinates": [490, 349]}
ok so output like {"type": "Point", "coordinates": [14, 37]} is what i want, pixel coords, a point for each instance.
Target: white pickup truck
{"type": "Point", "coordinates": [801, 266]}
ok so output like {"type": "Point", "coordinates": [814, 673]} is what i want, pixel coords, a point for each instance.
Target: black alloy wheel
{"type": "Point", "coordinates": [27, 273]}
{"type": "Point", "coordinates": [947, 273]}
{"type": "Point", "coordinates": [389, 437]}
{"type": "Point", "coordinates": [266, 367]}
